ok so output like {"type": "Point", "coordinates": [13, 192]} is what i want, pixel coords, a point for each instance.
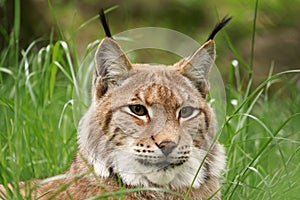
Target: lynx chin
{"type": "Point", "coordinates": [148, 126]}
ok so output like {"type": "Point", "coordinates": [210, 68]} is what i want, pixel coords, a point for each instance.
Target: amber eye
{"type": "Point", "coordinates": [186, 112]}
{"type": "Point", "coordinates": [139, 110]}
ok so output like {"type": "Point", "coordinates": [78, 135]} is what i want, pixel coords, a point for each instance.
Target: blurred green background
{"type": "Point", "coordinates": [277, 39]}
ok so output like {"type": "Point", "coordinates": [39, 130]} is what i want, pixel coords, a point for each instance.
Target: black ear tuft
{"type": "Point", "coordinates": [104, 23]}
{"type": "Point", "coordinates": [218, 27]}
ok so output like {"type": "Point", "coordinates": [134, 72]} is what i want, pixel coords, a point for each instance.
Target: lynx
{"type": "Point", "coordinates": [148, 126]}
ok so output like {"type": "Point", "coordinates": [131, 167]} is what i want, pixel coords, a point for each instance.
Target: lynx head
{"type": "Point", "coordinates": [151, 124]}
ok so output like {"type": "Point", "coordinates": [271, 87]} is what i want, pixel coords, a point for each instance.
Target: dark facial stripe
{"type": "Point", "coordinates": [206, 171]}
{"type": "Point", "coordinates": [206, 118]}
{"type": "Point", "coordinates": [106, 121]}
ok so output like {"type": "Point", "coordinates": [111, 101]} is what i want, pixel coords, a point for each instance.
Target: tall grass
{"type": "Point", "coordinates": [263, 142]}
{"type": "Point", "coordinates": [38, 135]}
{"type": "Point", "coordinates": [35, 87]}
{"type": "Point", "coordinates": [261, 133]}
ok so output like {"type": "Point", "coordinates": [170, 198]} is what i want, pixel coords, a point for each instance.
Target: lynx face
{"type": "Point", "coordinates": [151, 124]}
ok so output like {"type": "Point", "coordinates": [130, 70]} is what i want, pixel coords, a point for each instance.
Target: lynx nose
{"type": "Point", "coordinates": [167, 147]}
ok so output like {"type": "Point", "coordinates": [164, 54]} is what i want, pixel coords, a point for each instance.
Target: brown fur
{"type": "Point", "coordinates": [87, 186]}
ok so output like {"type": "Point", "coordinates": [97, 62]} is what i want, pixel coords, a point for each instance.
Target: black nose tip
{"type": "Point", "coordinates": [167, 147]}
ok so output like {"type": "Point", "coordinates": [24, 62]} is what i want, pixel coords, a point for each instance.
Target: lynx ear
{"type": "Point", "coordinates": [197, 66]}
{"type": "Point", "coordinates": [112, 66]}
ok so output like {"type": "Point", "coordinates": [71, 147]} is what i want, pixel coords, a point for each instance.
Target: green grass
{"type": "Point", "coordinates": [34, 129]}
{"type": "Point", "coordinates": [38, 90]}
{"type": "Point", "coordinates": [262, 141]}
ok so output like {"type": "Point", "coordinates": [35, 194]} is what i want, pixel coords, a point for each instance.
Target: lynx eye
{"type": "Point", "coordinates": [138, 110]}
{"type": "Point", "coordinates": [187, 111]}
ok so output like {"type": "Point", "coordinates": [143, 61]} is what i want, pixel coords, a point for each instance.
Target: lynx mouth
{"type": "Point", "coordinates": [164, 165]}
